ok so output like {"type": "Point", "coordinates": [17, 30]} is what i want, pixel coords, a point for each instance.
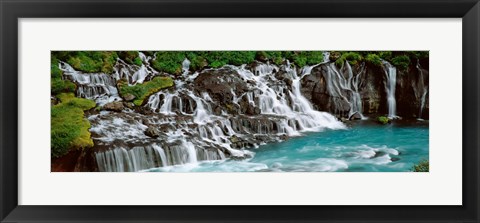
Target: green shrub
{"type": "Point", "coordinates": [401, 61]}
{"type": "Point", "coordinates": [137, 61]}
{"type": "Point", "coordinates": [239, 57]}
{"type": "Point", "coordinates": [221, 58]}
{"type": "Point", "coordinates": [314, 57]}
{"type": "Point", "coordinates": [386, 55]}
{"type": "Point", "coordinates": [300, 60]}
{"type": "Point", "coordinates": [197, 61]}
{"type": "Point", "coordinates": [144, 90]}
{"type": "Point", "coordinates": [374, 59]}
{"type": "Point", "coordinates": [383, 120]}
{"type": "Point", "coordinates": [89, 61]}
{"type": "Point", "coordinates": [422, 166]}
{"type": "Point", "coordinates": [169, 61]}
{"type": "Point", "coordinates": [69, 128]}
{"type": "Point", "coordinates": [352, 58]}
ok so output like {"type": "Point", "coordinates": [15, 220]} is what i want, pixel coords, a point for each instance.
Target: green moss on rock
{"type": "Point", "coordinates": [58, 85]}
{"type": "Point", "coordinates": [89, 61]}
{"type": "Point", "coordinates": [69, 128]}
{"type": "Point", "coordinates": [383, 120]}
{"type": "Point", "coordinates": [144, 90]}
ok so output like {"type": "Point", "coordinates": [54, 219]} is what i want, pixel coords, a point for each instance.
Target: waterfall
{"type": "Point", "coordinates": [185, 66]}
{"type": "Point", "coordinates": [101, 87]}
{"type": "Point", "coordinates": [391, 81]}
{"type": "Point", "coordinates": [420, 89]}
{"type": "Point", "coordinates": [273, 99]}
{"type": "Point", "coordinates": [134, 74]}
{"type": "Point", "coordinates": [345, 89]}
{"type": "Point", "coordinates": [326, 56]}
{"type": "Point", "coordinates": [193, 125]}
{"type": "Point", "coordinates": [96, 86]}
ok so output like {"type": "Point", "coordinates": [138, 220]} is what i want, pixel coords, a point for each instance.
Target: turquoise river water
{"type": "Point", "coordinates": [363, 147]}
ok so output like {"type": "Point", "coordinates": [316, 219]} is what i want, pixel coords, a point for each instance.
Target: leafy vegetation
{"type": "Point", "coordinates": [220, 58]}
{"type": "Point", "coordinates": [131, 57]}
{"type": "Point", "coordinates": [275, 57]}
{"type": "Point", "coordinates": [374, 59]}
{"type": "Point", "coordinates": [197, 61]}
{"type": "Point", "coordinates": [386, 55]}
{"type": "Point", "coordinates": [383, 120]}
{"type": "Point", "coordinates": [169, 61]}
{"type": "Point", "coordinates": [401, 61]}
{"type": "Point", "coordinates": [304, 58]}
{"type": "Point", "coordinates": [422, 166]}
{"type": "Point", "coordinates": [352, 58]}
{"type": "Point", "coordinates": [142, 91]}
{"type": "Point", "coordinates": [58, 85]}
{"type": "Point", "coordinates": [89, 61]}
{"type": "Point", "coordinates": [69, 128]}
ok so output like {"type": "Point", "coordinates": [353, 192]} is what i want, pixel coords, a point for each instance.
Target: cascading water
{"type": "Point", "coordinates": [345, 89]}
{"type": "Point", "coordinates": [420, 88]}
{"type": "Point", "coordinates": [192, 125]}
{"type": "Point", "coordinates": [101, 87]}
{"type": "Point", "coordinates": [391, 82]}
{"type": "Point", "coordinates": [96, 86]}
{"type": "Point", "coordinates": [273, 101]}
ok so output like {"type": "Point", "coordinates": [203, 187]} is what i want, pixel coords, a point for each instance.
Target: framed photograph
{"type": "Point", "coordinates": [228, 111]}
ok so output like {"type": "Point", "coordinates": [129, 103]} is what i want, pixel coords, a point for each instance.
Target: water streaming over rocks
{"type": "Point", "coordinates": [218, 114]}
{"type": "Point", "coordinates": [391, 82]}
{"type": "Point", "coordinates": [102, 87]}
{"type": "Point", "coordinates": [336, 89]}
{"type": "Point", "coordinates": [420, 87]}
{"type": "Point", "coordinates": [211, 115]}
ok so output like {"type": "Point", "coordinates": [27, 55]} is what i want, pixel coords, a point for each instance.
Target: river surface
{"type": "Point", "coordinates": [363, 147]}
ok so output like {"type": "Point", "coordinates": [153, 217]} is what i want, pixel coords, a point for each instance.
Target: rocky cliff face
{"type": "Point", "coordinates": [336, 90]}
{"type": "Point", "coordinates": [412, 93]}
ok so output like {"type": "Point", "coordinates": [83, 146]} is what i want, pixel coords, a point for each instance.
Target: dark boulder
{"type": "Point", "coordinates": [152, 132]}
{"type": "Point", "coordinates": [355, 116]}
{"type": "Point", "coordinates": [129, 97]}
{"type": "Point", "coordinates": [116, 106]}
{"type": "Point", "coordinates": [222, 85]}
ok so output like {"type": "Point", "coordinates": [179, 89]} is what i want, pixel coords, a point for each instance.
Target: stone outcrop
{"type": "Point", "coordinates": [411, 86]}
{"type": "Point", "coordinates": [116, 106]}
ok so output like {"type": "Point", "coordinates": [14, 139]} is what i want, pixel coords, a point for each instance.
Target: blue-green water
{"type": "Point", "coordinates": [360, 148]}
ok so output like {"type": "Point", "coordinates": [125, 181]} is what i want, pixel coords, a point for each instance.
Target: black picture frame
{"type": "Point", "coordinates": [12, 10]}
